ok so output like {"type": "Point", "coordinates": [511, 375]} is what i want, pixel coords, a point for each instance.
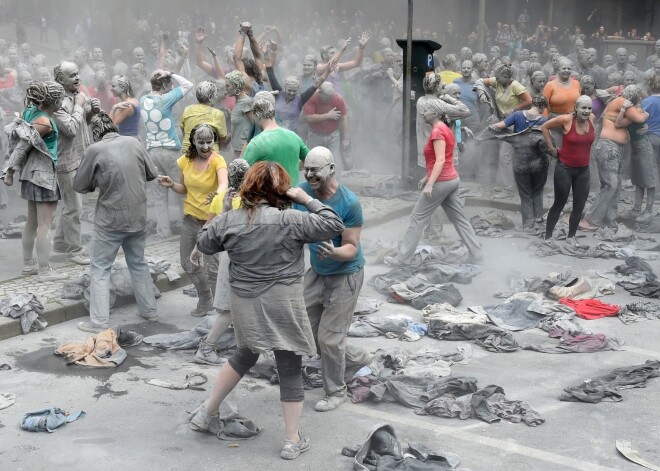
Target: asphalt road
{"type": "Point", "coordinates": [133, 425]}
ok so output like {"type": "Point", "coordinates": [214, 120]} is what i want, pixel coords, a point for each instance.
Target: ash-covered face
{"type": "Point", "coordinates": [621, 56]}
{"type": "Point", "coordinates": [494, 53]}
{"type": "Point", "coordinates": [588, 87]}
{"type": "Point", "coordinates": [552, 52]}
{"type": "Point", "coordinates": [538, 81]}
{"type": "Point", "coordinates": [579, 44]}
{"type": "Point", "coordinates": [428, 115]}
{"type": "Point", "coordinates": [467, 69]}
{"type": "Point", "coordinates": [629, 78]}
{"type": "Point", "coordinates": [291, 91]}
{"type": "Point", "coordinates": [12, 55]}
{"type": "Point", "coordinates": [138, 54]}
{"type": "Point", "coordinates": [583, 109]}
{"type": "Point", "coordinates": [319, 167]}
{"type": "Point", "coordinates": [97, 54]}
{"type": "Point", "coordinates": [70, 78]}
{"type": "Point", "coordinates": [308, 67]}
{"type": "Point", "coordinates": [608, 60]}
{"type": "Point", "coordinates": [42, 74]}
{"type": "Point", "coordinates": [565, 69]}
{"type": "Point", "coordinates": [203, 141]}
{"type": "Point", "coordinates": [534, 57]}
{"type": "Point", "coordinates": [525, 54]}
{"type": "Point", "coordinates": [388, 55]}
{"type": "Point", "coordinates": [26, 50]}
{"type": "Point", "coordinates": [503, 80]}
{"type": "Point", "coordinates": [155, 48]}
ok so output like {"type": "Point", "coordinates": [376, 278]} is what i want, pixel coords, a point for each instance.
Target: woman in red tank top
{"type": "Point", "coordinates": [572, 169]}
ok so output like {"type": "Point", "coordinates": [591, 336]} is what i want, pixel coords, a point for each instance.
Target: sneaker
{"type": "Point", "coordinates": [647, 215]}
{"type": "Point", "coordinates": [207, 355]}
{"type": "Point", "coordinates": [152, 317]}
{"type": "Point", "coordinates": [203, 307]}
{"type": "Point", "coordinates": [291, 450]}
{"type": "Point", "coordinates": [30, 267]}
{"type": "Point", "coordinates": [48, 274]}
{"type": "Point", "coordinates": [91, 327]}
{"type": "Point", "coordinates": [572, 241]}
{"type": "Point", "coordinates": [202, 421]}
{"type": "Point", "coordinates": [79, 259]}
{"type": "Point", "coordinates": [329, 403]}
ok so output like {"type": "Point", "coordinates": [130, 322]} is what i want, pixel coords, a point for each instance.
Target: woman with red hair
{"type": "Point", "coordinates": [264, 240]}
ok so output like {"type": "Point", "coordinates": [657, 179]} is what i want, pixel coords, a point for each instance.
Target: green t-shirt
{"type": "Point", "coordinates": [278, 145]}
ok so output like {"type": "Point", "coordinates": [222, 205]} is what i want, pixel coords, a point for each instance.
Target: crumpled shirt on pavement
{"type": "Point", "coordinates": [98, 351]}
{"type": "Point", "coordinates": [190, 338]}
{"type": "Point", "coordinates": [582, 287]}
{"type": "Point", "coordinates": [580, 343]}
{"type": "Point", "coordinates": [488, 404]}
{"type": "Point", "coordinates": [366, 306]}
{"type": "Point", "coordinates": [639, 311]}
{"type": "Point", "coordinates": [605, 387]}
{"type": "Point", "coordinates": [26, 306]}
{"type": "Point", "coordinates": [490, 337]}
{"type": "Point", "coordinates": [491, 223]}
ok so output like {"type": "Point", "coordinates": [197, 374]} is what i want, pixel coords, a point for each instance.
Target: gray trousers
{"type": "Point", "coordinates": [332, 141]}
{"type": "Point", "coordinates": [165, 160]}
{"type": "Point", "coordinates": [444, 194]}
{"type": "Point", "coordinates": [655, 143]}
{"type": "Point", "coordinates": [203, 277]}
{"type": "Point", "coordinates": [103, 252]}
{"type": "Point", "coordinates": [67, 234]}
{"type": "Point", "coordinates": [609, 161]}
{"type": "Point", "coordinates": [330, 301]}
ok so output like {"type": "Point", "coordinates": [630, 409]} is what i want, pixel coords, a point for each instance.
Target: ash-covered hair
{"type": "Point", "coordinates": [263, 108]}
{"type": "Point", "coordinates": [43, 93]}
{"type": "Point", "coordinates": [312, 58]}
{"type": "Point", "coordinates": [237, 79]}
{"type": "Point", "coordinates": [101, 124]}
{"type": "Point", "coordinates": [206, 92]}
{"type": "Point", "coordinates": [539, 102]}
{"type": "Point", "coordinates": [504, 71]}
{"type": "Point", "coordinates": [291, 82]}
{"type": "Point", "coordinates": [633, 93]}
{"type": "Point", "coordinates": [236, 171]}
{"type": "Point", "coordinates": [432, 83]}
{"type": "Point", "coordinates": [201, 129]}
{"type": "Point", "coordinates": [123, 83]}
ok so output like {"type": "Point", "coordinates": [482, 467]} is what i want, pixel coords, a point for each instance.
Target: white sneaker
{"type": "Point", "coordinates": [48, 274]}
{"type": "Point", "coordinates": [30, 267]}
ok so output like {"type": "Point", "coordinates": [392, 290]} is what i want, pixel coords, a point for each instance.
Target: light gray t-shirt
{"type": "Point", "coordinates": [241, 125]}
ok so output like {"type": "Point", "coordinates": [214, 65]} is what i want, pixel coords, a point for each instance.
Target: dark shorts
{"type": "Point", "coordinates": [32, 192]}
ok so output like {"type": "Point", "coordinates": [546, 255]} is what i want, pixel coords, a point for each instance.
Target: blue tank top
{"type": "Point", "coordinates": [129, 126]}
{"type": "Point", "coordinates": [30, 114]}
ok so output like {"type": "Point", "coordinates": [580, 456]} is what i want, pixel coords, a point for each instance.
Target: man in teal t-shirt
{"type": "Point", "coordinates": [275, 144]}
{"type": "Point", "coordinates": [332, 286]}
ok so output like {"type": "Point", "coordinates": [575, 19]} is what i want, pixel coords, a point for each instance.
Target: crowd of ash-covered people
{"type": "Point", "coordinates": [220, 119]}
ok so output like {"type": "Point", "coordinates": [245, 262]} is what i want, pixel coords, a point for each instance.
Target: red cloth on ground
{"type": "Point", "coordinates": [591, 308]}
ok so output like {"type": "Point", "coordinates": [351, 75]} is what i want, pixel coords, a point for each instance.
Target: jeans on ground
{"type": "Point", "coordinates": [165, 160]}
{"type": "Point", "coordinates": [330, 301]}
{"type": "Point", "coordinates": [444, 194]}
{"type": "Point", "coordinates": [104, 248]}
{"type": "Point", "coordinates": [331, 141]}
{"type": "Point", "coordinates": [566, 178]}
{"type": "Point", "coordinates": [67, 234]}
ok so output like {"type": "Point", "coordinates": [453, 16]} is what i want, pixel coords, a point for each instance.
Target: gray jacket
{"type": "Point", "coordinates": [269, 248]}
{"type": "Point", "coordinates": [29, 156]}
{"type": "Point", "coordinates": [120, 168]}
{"type": "Point", "coordinates": [74, 138]}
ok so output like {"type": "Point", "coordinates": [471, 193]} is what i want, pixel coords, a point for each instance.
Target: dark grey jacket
{"type": "Point", "coordinates": [29, 156]}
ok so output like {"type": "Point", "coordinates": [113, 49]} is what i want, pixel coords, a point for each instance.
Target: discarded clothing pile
{"type": "Point", "coordinates": [491, 223]}
{"type": "Point", "coordinates": [591, 308]}
{"type": "Point", "coordinates": [121, 284]}
{"type": "Point", "coordinates": [546, 248]}
{"type": "Point", "coordinates": [514, 313]}
{"type": "Point", "coordinates": [383, 452]}
{"type": "Point", "coordinates": [517, 283]}
{"type": "Point", "coordinates": [620, 233]}
{"type": "Point", "coordinates": [405, 286]}
{"type": "Point", "coordinates": [450, 324]}
{"type": "Point", "coordinates": [581, 287]}
{"type": "Point", "coordinates": [392, 187]}
{"type": "Point", "coordinates": [366, 306]}
{"type": "Point", "coordinates": [453, 253]}
{"type": "Point", "coordinates": [233, 426]}
{"type": "Point", "coordinates": [488, 404]}
{"type": "Point", "coordinates": [393, 326]}
{"type": "Point", "coordinates": [639, 311]}
{"type": "Point", "coordinates": [605, 387]}
{"type": "Point", "coordinates": [577, 343]}
{"type": "Point", "coordinates": [564, 321]}
{"type": "Point", "coordinates": [98, 351]}
{"type": "Point", "coordinates": [640, 279]}
{"type": "Point", "coordinates": [190, 339]}
{"type": "Point", "coordinates": [26, 306]}
{"type": "Point", "coordinates": [47, 420]}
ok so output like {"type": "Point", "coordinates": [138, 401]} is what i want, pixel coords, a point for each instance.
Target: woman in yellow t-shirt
{"type": "Point", "coordinates": [203, 176]}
